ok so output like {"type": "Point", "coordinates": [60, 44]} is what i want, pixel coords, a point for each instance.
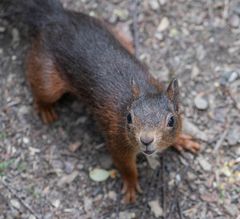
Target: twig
{"type": "Point", "coordinates": [19, 199]}
{"type": "Point", "coordinates": [220, 141]}
{"type": "Point", "coordinates": [174, 204]}
{"type": "Point", "coordinates": [151, 182]}
{"type": "Point", "coordinates": [135, 27]}
{"type": "Point", "coordinates": [118, 202]}
{"type": "Point", "coordinates": [163, 187]}
{"type": "Point", "coordinates": [179, 209]}
{"type": "Point", "coordinates": [235, 104]}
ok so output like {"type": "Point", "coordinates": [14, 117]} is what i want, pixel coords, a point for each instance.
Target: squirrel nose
{"type": "Point", "coordinates": [146, 140]}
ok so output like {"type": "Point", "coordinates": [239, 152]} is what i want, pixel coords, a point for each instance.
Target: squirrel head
{"type": "Point", "coordinates": [153, 120]}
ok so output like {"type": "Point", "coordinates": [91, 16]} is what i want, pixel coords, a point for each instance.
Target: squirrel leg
{"type": "Point", "coordinates": [128, 169]}
{"type": "Point", "coordinates": [186, 142]}
{"type": "Point", "coordinates": [45, 82]}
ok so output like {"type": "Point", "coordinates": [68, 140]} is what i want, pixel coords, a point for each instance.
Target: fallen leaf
{"type": "Point", "coordinates": [68, 178]}
{"type": "Point", "coordinates": [156, 208]}
{"type": "Point", "coordinates": [73, 147]}
{"type": "Point", "coordinates": [99, 175]}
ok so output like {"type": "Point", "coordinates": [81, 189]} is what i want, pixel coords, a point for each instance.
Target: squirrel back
{"type": "Point", "coordinates": [36, 14]}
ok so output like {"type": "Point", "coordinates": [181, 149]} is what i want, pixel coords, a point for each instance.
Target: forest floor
{"type": "Point", "coordinates": [42, 175]}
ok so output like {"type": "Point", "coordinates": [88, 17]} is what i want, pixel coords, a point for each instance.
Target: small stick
{"type": "Point", "coordinates": [220, 141]}
{"type": "Point", "coordinates": [163, 187]}
{"type": "Point", "coordinates": [19, 199]}
{"type": "Point", "coordinates": [179, 209]}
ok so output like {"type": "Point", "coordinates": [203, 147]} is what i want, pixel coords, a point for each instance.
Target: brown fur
{"type": "Point", "coordinates": [44, 79]}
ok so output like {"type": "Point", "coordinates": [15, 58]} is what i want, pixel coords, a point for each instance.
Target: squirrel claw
{"type": "Point", "coordinates": [129, 192]}
{"type": "Point", "coordinates": [186, 142]}
{"type": "Point", "coordinates": [47, 113]}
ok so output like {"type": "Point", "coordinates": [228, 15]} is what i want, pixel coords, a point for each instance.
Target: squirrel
{"type": "Point", "coordinates": [75, 53]}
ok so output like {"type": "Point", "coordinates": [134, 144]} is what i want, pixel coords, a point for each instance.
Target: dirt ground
{"type": "Point", "coordinates": [196, 41]}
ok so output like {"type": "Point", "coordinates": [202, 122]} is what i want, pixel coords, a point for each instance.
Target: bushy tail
{"type": "Point", "coordinates": [34, 13]}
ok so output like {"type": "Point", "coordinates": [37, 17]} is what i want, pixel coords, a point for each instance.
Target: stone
{"type": "Point", "coordinates": [112, 195]}
{"type": "Point", "coordinates": [206, 166]}
{"type": "Point", "coordinates": [67, 179]}
{"type": "Point", "coordinates": [23, 110]}
{"type": "Point", "coordinates": [26, 140]}
{"type": "Point", "coordinates": [74, 146]}
{"type": "Point", "coordinates": [15, 203]}
{"type": "Point", "coordinates": [164, 24]}
{"type": "Point", "coordinates": [55, 203]}
{"type": "Point", "coordinates": [234, 21]}
{"type": "Point", "coordinates": [2, 29]}
{"type": "Point", "coordinates": [200, 102]}
{"type": "Point", "coordinates": [154, 4]}
{"type": "Point", "coordinates": [15, 36]}
{"type": "Point", "coordinates": [156, 208]}
{"type": "Point", "coordinates": [233, 76]}
{"type": "Point", "coordinates": [68, 167]}
{"type": "Point", "coordinates": [233, 135]}
{"type": "Point", "coordinates": [195, 71]}
{"type": "Point", "coordinates": [126, 215]}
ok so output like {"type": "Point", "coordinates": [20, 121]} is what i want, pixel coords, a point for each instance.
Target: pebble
{"type": "Point", "coordinates": [156, 208]}
{"type": "Point", "coordinates": [88, 204]}
{"type": "Point", "coordinates": [26, 140]}
{"type": "Point", "coordinates": [201, 53]}
{"type": "Point", "coordinates": [67, 179]}
{"type": "Point", "coordinates": [238, 150]}
{"type": "Point", "coordinates": [234, 75]}
{"type": "Point", "coordinates": [154, 4]}
{"type": "Point", "coordinates": [164, 24]}
{"type": "Point", "coordinates": [55, 203]}
{"type": "Point", "coordinates": [57, 165]}
{"type": "Point", "coordinates": [234, 21]}
{"type": "Point", "coordinates": [206, 166]}
{"type": "Point", "coordinates": [162, 2]}
{"type": "Point", "coordinates": [2, 29]}
{"type": "Point", "coordinates": [121, 14]}
{"type": "Point", "coordinates": [126, 215]}
{"type": "Point", "coordinates": [23, 110]}
{"type": "Point", "coordinates": [112, 195]}
{"type": "Point", "coordinates": [74, 146]}
{"type": "Point", "coordinates": [195, 71]}
{"type": "Point", "coordinates": [15, 203]}
{"type": "Point", "coordinates": [153, 162]}
{"type": "Point", "coordinates": [68, 167]}
{"type": "Point", "coordinates": [200, 103]}
{"type": "Point", "coordinates": [233, 135]}
{"type": "Point", "coordinates": [15, 35]}
{"type": "Point", "coordinates": [159, 36]}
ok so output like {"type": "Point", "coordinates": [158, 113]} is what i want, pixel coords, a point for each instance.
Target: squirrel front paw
{"type": "Point", "coordinates": [186, 142]}
{"type": "Point", "coordinates": [129, 190]}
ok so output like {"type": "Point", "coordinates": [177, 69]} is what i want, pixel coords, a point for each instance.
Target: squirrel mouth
{"type": "Point", "coordinates": [148, 152]}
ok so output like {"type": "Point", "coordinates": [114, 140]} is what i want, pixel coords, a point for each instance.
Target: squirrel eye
{"type": "Point", "coordinates": [171, 121]}
{"type": "Point", "coordinates": [129, 118]}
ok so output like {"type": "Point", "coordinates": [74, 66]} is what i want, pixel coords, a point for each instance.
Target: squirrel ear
{"type": "Point", "coordinates": [135, 89]}
{"type": "Point", "coordinates": [173, 93]}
